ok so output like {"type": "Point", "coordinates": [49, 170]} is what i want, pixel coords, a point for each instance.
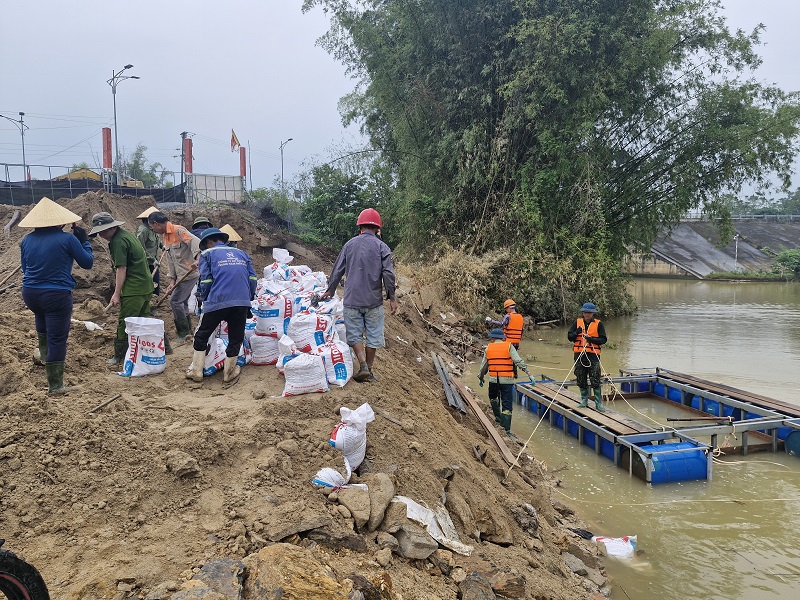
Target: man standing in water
{"type": "Point", "coordinates": [501, 362]}
{"type": "Point", "coordinates": [587, 335]}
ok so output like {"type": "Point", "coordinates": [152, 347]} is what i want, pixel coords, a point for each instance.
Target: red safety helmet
{"type": "Point", "coordinates": [369, 216]}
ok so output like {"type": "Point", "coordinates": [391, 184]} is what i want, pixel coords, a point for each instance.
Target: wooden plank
{"type": "Point", "coordinates": [442, 377]}
{"type": "Point", "coordinates": [487, 424]}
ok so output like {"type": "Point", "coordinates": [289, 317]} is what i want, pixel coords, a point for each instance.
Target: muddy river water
{"type": "Point", "coordinates": [735, 537]}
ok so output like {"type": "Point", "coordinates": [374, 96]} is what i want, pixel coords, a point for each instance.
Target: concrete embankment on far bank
{"type": "Point", "coordinates": [691, 248]}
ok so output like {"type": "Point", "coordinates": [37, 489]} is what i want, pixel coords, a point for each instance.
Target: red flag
{"type": "Point", "coordinates": [234, 141]}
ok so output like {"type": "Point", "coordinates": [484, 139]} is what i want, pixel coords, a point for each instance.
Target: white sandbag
{"type": "Point", "coordinates": [624, 547]}
{"type": "Point", "coordinates": [215, 358]}
{"type": "Point", "coordinates": [282, 255]}
{"type": "Point", "coordinates": [250, 327]}
{"type": "Point", "coordinates": [145, 354]}
{"type": "Point", "coordinates": [273, 313]}
{"type": "Point", "coordinates": [305, 374]}
{"type": "Point", "coordinates": [222, 330]}
{"type": "Point", "coordinates": [340, 330]}
{"type": "Point", "coordinates": [338, 361]}
{"type": "Point", "coordinates": [287, 350]}
{"type": "Point", "coordinates": [309, 330]}
{"type": "Point", "coordinates": [265, 350]}
{"type": "Point", "coordinates": [192, 301]}
{"type": "Point", "coordinates": [329, 477]}
{"type": "Point", "coordinates": [350, 435]}
{"type": "Point", "coordinates": [270, 286]}
{"type": "Point", "coordinates": [331, 306]}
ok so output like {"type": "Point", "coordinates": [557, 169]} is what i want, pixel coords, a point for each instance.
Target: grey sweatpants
{"type": "Point", "coordinates": [179, 301]}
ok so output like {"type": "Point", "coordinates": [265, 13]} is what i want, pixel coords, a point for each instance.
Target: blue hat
{"type": "Point", "coordinates": [213, 231]}
{"type": "Point", "coordinates": [497, 334]}
{"type": "Point", "coordinates": [589, 307]}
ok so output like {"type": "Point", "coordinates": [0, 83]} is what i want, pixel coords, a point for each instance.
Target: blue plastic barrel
{"type": "Point", "coordinates": [673, 466]}
{"type": "Point", "coordinates": [792, 443]}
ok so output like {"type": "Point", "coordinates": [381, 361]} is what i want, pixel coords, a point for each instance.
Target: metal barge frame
{"type": "Point", "coordinates": [668, 454]}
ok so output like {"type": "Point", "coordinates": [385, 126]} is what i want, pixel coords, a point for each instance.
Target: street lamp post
{"type": "Point", "coordinates": [116, 78]}
{"type": "Point", "coordinates": [282, 145]}
{"type": "Point", "coordinates": [736, 252]}
{"type": "Point", "coordinates": [22, 127]}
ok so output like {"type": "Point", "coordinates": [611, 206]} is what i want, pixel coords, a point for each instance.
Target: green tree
{"type": "Point", "coordinates": [565, 130]}
{"type": "Point", "coordinates": [788, 263]}
{"type": "Point", "coordinates": [139, 168]}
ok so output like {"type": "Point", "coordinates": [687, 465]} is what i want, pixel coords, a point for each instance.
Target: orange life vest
{"type": "Point", "coordinates": [498, 355]}
{"type": "Point", "coordinates": [591, 331]}
{"type": "Point", "coordinates": [513, 330]}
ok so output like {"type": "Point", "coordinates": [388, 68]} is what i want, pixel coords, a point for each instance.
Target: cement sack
{"type": "Point", "coordinates": [305, 374]}
{"type": "Point", "coordinates": [250, 327]}
{"type": "Point", "coordinates": [281, 255]}
{"type": "Point", "coordinates": [222, 330]}
{"type": "Point", "coordinates": [145, 354]}
{"type": "Point", "coordinates": [273, 313]}
{"type": "Point", "coordinates": [340, 329]}
{"type": "Point", "coordinates": [329, 477]}
{"type": "Point", "coordinates": [215, 358]}
{"type": "Point", "coordinates": [309, 330]}
{"type": "Point", "coordinates": [192, 301]}
{"type": "Point", "coordinates": [350, 435]}
{"type": "Point", "coordinates": [265, 350]}
{"type": "Point", "coordinates": [338, 361]}
{"type": "Point", "coordinates": [624, 547]}
{"type": "Point", "coordinates": [270, 286]}
{"type": "Point", "coordinates": [287, 350]}
{"type": "Point", "coordinates": [331, 306]}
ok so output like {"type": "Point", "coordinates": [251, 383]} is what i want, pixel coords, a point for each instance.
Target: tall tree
{"type": "Point", "coordinates": [569, 130]}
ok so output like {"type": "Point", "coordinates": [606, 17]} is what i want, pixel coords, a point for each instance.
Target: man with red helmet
{"type": "Point", "coordinates": [366, 262]}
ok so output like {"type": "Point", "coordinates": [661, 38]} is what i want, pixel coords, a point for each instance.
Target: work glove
{"type": "Point", "coordinates": [80, 233]}
{"type": "Point", "coordinates": [480, 382]}
{"type": "Point", "coordinates": [579, 330]}
{"type": "Point", "coordinates": [488, 319]}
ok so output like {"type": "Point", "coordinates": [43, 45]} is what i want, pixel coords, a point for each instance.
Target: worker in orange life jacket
{"type": "Point", "coordinates": [501, 362]}
{"type": "Point", "coordinates": [511, 323]}
{"type": "Point", "coordinates": [587, 335]}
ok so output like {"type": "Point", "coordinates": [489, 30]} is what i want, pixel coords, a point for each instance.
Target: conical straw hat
{"type": "Point", "coordinates": [147, 213]}
{"type": "Point", "coordinates": [232, 235]}
{"type": "Point", "coordinates": [47, 213]}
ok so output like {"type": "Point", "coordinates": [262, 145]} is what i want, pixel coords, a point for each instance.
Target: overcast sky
{"type": "Point", "coordinates": [209, 67]}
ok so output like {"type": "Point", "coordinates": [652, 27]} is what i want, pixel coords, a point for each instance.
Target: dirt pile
{"type": "Point", "coordinates": [174, 482]}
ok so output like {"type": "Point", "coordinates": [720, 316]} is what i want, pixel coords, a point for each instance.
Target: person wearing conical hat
{"type": "Point", "coordinates": [152, 246]}
{"type": "Point", "coordinates": [233, 237]}
{"type": "Point", "coordinates": [47, 255]}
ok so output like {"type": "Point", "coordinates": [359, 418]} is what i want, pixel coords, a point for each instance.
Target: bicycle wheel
{"type": "Point", "coordinates": [19, 580]}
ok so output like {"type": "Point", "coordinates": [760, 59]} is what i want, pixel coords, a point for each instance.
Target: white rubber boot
{"type": "Point", "coordinates": [198, 361]}
{"type": "Point", "coordinates": [232, 370]}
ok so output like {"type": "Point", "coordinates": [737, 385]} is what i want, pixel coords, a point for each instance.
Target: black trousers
{"type": "Point", "coordinates": [235, 316]}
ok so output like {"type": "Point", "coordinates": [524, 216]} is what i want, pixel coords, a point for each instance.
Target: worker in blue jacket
{"type": "Point", "coordinates": [227, 286]}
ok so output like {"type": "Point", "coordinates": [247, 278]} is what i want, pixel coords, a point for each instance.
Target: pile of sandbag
{"type": "Point", "coordinates": [298, 331]}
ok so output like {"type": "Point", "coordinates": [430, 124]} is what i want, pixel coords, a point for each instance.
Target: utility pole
{"type": "Point", "coordinates": [250, 165]}
{"type": "Point", "coordinates": [22, 127]}
{"type": "Point", "coordinates": [116, 78]}
{"type": "Point", "coordinates": [183, 150]}
{"type": "Point", "coordinates": [282, 145]}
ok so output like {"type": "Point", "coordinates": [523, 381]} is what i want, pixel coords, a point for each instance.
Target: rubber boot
{"type": "Point", "coordinates": [598, 399]}
{"type": "Point", "coordinates": [584, 398]}
{"type": "Point", "coordinates": [55, 378]}
{"type": "Point", "coordinates": [40, 357]}
{"type": "Point", "coordinates": [496, 410]}
{"type": "Point", "coordinates": [182, 331]}
{"type": "Point", "coordinates": [167, 345]}
{"type": "Point", "coordinates": [198, 362]}
{"type": "Point", "coordinates": [505, 421]}
{"type": "Point", "coordinates": [232, 369]}
{"type": "Point", "coordinates": [363, 374]}
{"type": "Point", "coordinates": [120, 346]}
